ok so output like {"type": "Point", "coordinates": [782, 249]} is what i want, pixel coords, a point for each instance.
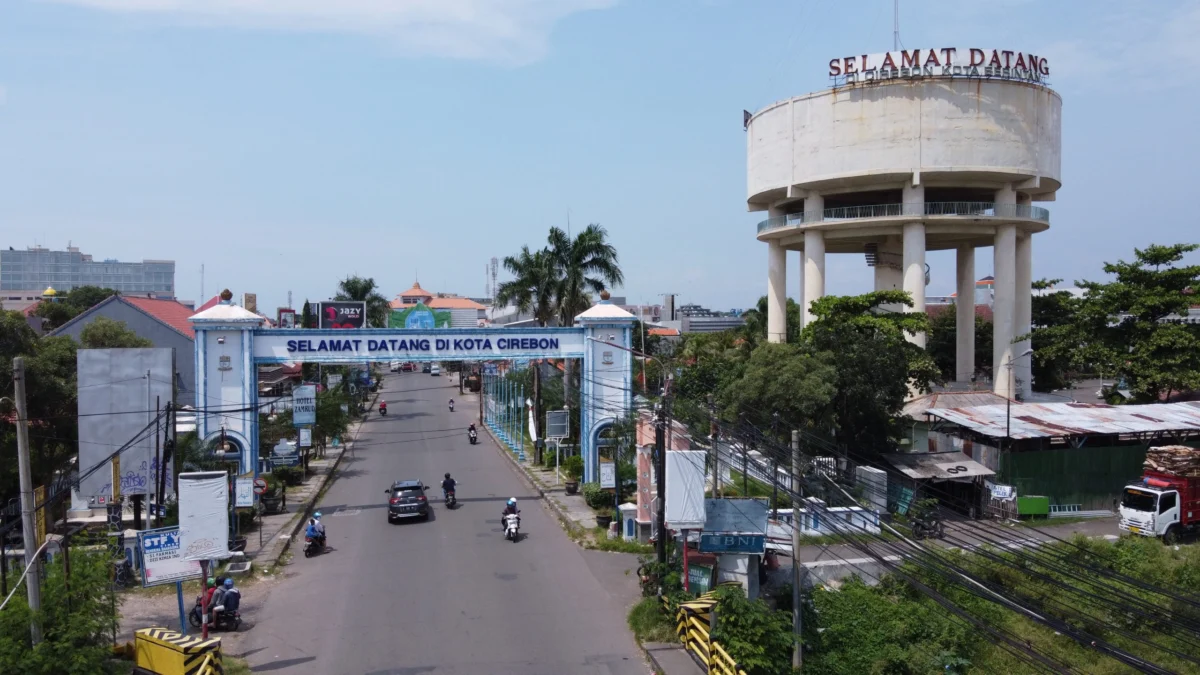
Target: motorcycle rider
{"type": "Point", "coordinates": [383, 407]}
{"type": "Point", "coordinates": [471, 432]}
{"type": "Point", "coordinates": [511, 509]}
{"type": "Point", "coordinates": [228, 598]}
{"type": "Point", "coordinates": [448, 485]}
{"type": "Point", "coordinates": [210, 588]}
{"type": "Point", "coordinates": [451, 405]}
{"type": "Point", "coordinates": [319, 528]}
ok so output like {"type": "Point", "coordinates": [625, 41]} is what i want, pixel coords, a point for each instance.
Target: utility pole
{"type": "Point", "coordinates": [797, 567]}
{"type": "Point", "coordinates": [660, 480]}
{"type": "Point", "coordinates": [715, 433]}
{"type": "Point", "coordinates": [33, 578]}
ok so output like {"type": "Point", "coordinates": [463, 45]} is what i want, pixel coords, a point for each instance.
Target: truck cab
{"type": "Point", "coordinates": [1159, 506]}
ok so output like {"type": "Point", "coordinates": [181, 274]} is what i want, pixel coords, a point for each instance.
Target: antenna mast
{"type": "Point", "coordinates": [895, 25]}
{"type": "Point", "coordinates": [202, 299]}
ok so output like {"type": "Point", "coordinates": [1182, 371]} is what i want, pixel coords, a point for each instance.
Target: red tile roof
{"type": "Point", "coordinates": [28, 311]}
{"type": "Point", "coordinates": [212, 302]}
{"type": "Point", "coordinates": [416, 292]}
{"type": "Point", "coordinates": [169, 312]}
{"type": "Point", "coordinates": [665, 332]}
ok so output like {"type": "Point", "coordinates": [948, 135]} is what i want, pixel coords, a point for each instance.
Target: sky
{"type": "Point", "coordinates": [286, 144]}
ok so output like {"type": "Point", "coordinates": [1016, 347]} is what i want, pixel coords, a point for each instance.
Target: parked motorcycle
{"type": "Point", "coordinates": [227, 621]}
{"type": "Point", "coordinates": [451, 500]}
{"type": "Point", "coordinates": [474, 436]}
{"type": "Point", "coordinates": [928, 528]}
{"type": "Point", "coordinates": [512, 527]}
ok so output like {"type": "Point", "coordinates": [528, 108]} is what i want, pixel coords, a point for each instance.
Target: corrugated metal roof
{"type": "Point", "coordinates": [917, 407]}
{"type": "Point", "coordinates": [1056, 420]}
{"type": "Point", "coordinates": [937, 465]}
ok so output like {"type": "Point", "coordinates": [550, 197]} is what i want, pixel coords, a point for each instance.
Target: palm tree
{"type": "Point", "coordinates": [366, 290]}
{"type": "Point", "coordinates": [584, 264]}
{"type": "Point", "coordinates": [531, 290]}
{"type": "Point", "coordinates": [756, 321]}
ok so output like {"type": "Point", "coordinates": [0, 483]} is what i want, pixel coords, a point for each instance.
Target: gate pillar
{"type": "Point", "coordinates": [606, 382]}
{"type": "Point", "coordinates": [227, 379]}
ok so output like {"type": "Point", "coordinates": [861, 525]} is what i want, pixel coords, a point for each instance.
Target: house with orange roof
{"type": "Point", "coordinates": [464, 312]}
{"type": "Point", "coordinates": [163, 322]}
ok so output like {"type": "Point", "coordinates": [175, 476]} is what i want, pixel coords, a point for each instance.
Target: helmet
{"type": "Point", "coordinates": [512, 501]}
{"type": "Point", "coordinates": [317, 515]}
{"type": "Point", "coordinates": [447, 475]}
{"type": "Point", "coordinates": [211, 582]}
{"type": "Point", "coordinates": [228, 583]}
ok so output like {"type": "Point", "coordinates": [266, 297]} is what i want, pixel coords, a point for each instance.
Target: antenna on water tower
{"type": "Point", "coordinates": [202, 300]}
{"type": "Point", "coordinates": [895, 25]}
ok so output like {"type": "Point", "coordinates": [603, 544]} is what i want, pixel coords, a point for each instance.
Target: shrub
{"type": "Point", "coordinates": [597, 497]}
{"type": "Point", "coordinates": [756, 636]}
{"type": "Point", "coordinates": [573, 467]}
{"type": "Point", "coordinates": [290, 475]}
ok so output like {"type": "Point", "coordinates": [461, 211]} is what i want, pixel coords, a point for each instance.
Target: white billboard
{"type": "Point", "coordinates": [204, 515]}
{"type": "Point", "coordinates": [162, 558]}
{"type": "Point", "coordinates": [119, 391]}
{"type": "Point", "coordinates": [685, 490]}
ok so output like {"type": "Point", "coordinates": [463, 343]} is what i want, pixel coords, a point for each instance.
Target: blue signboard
{"type": "Point", "coordinates": [162, 561]}
{"type": "Point", "coordinates": [719, 542]}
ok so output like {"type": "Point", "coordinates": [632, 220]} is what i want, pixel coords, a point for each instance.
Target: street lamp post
{"type": "Point", "coordinates": [1008, 399]}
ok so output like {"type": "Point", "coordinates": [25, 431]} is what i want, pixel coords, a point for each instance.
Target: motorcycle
{"type": "Point", "coordinates": [451, 500]}
{"type": "Point", "coordinates": [312, 547]}
{"type": "Point", "coordinates": [451, 406]}
{"type": "Point", "coordinates": [383, 411]}
{"type": "Point", "coordinates": [474, 436]}
{"type": "Point", "coordinates": [512, 527]}
{"type": "Point", "coordinates": [228, 620]}
{"type": "Point", "coordinates": [928, 529]}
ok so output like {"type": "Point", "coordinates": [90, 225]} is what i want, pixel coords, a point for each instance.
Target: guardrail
{"type": "Point", "coordinates": [915, 210]}
{"type": "Point", "coordinates": [691, 625]}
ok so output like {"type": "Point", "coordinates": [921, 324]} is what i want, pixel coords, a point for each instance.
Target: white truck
{"type": "Point", "coordinates": [1165, 503]}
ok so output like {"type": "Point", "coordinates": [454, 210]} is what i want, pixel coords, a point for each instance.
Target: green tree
{"type": "Point", "coordinates": [875, 364]}
{"type": "Point", "coordinates": [584, 264]}
{"type": "Point", "coordinates": [71, 304]}
{"type": "Point", "coordinates": [85, 297]}
{"type": "Point", "coordinates": [758, 638]}
{"type": "Point", "coordinates": [76, 618]}
{"type": "Point", "coordinates": [531, 290]}
{"type": "Point", "coordinates": [1124, 326]}
{"type": "Point", "coordinates": [1053, 314]}
{"type": "Point", "coordinates": [942, 343]}
{"type": "Point", "coordinates": [106, 333]}
{"type": "Point", "coordinates": [50, 394]}
{"type": "Point", "coordinates": [756, 321]}
{"type": "Point", "coordinates": [362, 289]}
{"type": "Point", "coordinates": [782, 378]}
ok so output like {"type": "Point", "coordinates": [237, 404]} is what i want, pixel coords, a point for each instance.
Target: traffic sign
{"type": "Point", "coordinates": [260, 486]}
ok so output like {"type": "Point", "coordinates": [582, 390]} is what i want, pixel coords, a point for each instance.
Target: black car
{"type": "Point", "coordinates": [406, 499]}
{"type": "Point", "coordinates": [426, 367]}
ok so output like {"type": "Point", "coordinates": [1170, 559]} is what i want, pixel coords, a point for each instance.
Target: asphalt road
{"type": "Point", "coordinates": [449, 596]}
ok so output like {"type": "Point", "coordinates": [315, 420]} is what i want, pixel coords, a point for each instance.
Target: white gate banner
{"type": "Point", "coordinates": [204, 515]}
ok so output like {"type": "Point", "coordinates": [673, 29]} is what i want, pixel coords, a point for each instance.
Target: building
{"type": "Point", "coordinates": [910, 151]}
{"type": "Point", "coordinates": [24, 275]}
{"type": "Point", "coordinates": [464, 312]}
{"type": "Point", "coordinates": [163, 322]}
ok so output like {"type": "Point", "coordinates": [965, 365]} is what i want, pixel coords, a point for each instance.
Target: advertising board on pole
{"type": "Point", "coordinates": [305, 437]}
{"type": "Point", "coordinates": [558, 423]}
{"type": "Point", "coordinates": [204, 515]}
{"type": "Point", "coordinates": [608, 474]}
{"type": "Point", "coordinates": [162, 561]}
{"type": "Point", "coordinates": [243, 495]}
{"type": "Point", "coordinates": [343, 314]}
{"type": "Point", "coordinates": [304, 405]}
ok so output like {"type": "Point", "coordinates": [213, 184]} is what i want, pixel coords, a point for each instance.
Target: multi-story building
{"type": "Point", "coordinates": [26, 274]}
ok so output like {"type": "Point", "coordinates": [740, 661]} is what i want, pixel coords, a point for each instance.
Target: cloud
{"type": "Point", "coordinates": [512, 31]}
{"type": "Point", "coordinates": [1133, 47]}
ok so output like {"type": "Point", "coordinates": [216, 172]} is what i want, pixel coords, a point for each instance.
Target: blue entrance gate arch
{"type": "Point", "coordinates": [231, 343]}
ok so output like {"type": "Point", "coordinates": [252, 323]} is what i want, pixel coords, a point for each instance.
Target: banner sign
{"type": "Point", "coordinates": [1000, 64]}
{"type": "Point", "coordinates": [558, 423]}
{"type": "Point", "coordinates": [285, 317]}
{"type": "Point", "coordinates": [450, 344]}
{"type": "Point", "coordinates": [305, 437]}
{"type": "Point", "coordinates": [304, 405]}
{"type": "Point", "coordinates": [162, 561]}
{"type": "Point", "coordinates": [204, 515]}
{"type": "Point", "coordinates": [608, 474]}
{"type": "Point", "coordinates": [343, 314]}
{"type": "Point", "coordinates": [718, 542]}
{"type": "Point", "coordinates": [333, 379]}
{"type": "Point", "coordinates": [243, 493]}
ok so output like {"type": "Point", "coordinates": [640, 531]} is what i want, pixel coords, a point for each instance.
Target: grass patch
{"type": "Point", "coordinates": [235, 666]}
{"type": "Point", "coordinates": [600, 542]}
{"type": "Point", "coordinates": [1042, 521]}
{"type": "Point", "coordinates": [650, 623]}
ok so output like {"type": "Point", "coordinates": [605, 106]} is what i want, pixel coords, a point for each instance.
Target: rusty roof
{"type": "Point", "coordinates": [1056, 420]}
{"type": "Point", "coordinates": [918, 407]}
{"type": "Point", "coordinates": [937, 465]}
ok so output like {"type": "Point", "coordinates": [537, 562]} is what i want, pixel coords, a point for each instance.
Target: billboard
{"type": "Point", "coordinates": [162, 558]}
{"type": "Point", "coordinates": [342, 314]}
{"type": "Point", "coordinates": [204, 515]}
{"type": "Point", "coordinates": [420, 317]}
{"type": "Point", "coordinates": [304, 405]}
{"type": "Point", "coordinates": [250, 302]}
{"type": "Point", "coordinates": [285, 317]}
{"type": "Point", "coordinates": [118, 391]}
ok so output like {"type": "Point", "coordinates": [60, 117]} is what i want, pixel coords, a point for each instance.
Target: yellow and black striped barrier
{"type": "Point", "coordinates": [691, 625]}
{"type": "Point", "coordinates": [167, 652]}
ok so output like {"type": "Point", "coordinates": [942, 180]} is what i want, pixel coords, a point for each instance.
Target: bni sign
{"type": "Point", "coordinates": [721, 542]}
{"type": "Point", "coordinates": [162, 560]}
